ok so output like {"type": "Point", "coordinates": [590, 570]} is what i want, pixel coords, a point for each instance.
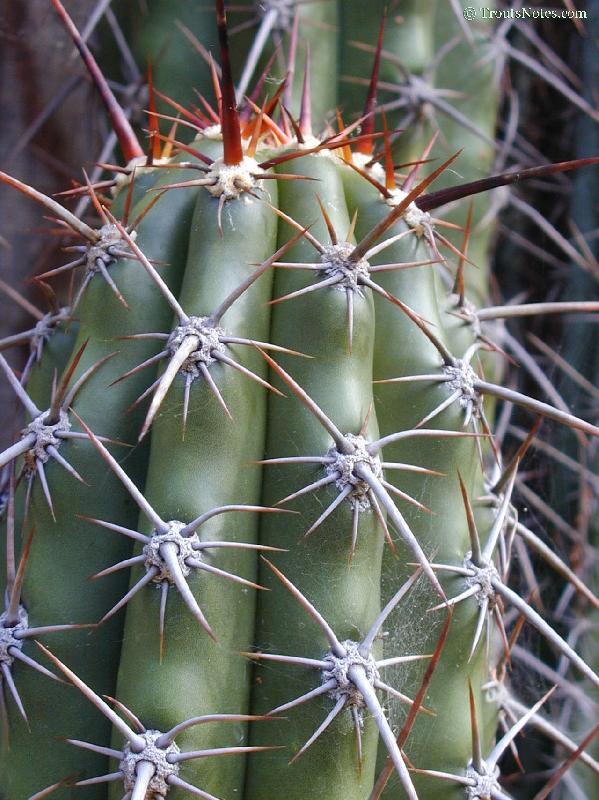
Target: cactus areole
{"type": "Point", "coordinates": [271, 444]}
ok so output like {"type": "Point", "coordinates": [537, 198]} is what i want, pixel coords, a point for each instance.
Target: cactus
{"type": "Point", "coordinates": [263, 425]}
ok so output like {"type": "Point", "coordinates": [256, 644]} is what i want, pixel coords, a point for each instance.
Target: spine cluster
{"type": "Point", "coordinates": [271, 443]}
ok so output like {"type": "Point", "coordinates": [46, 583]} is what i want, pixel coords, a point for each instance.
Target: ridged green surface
{"type": "Point", "coordinates": [214, 461]}
{"type": "Point", "coordinates": [66, 553]}
{"type": "Point", "coordinates": [346, 596]}
{"type": "Point", "coordinates": [190, 476]}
